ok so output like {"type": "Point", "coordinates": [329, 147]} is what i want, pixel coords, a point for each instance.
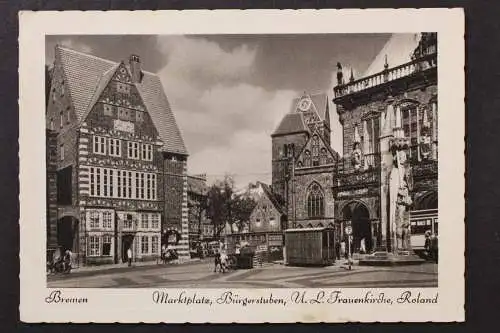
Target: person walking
{"type": "Point", "coordinates": [129, 256]}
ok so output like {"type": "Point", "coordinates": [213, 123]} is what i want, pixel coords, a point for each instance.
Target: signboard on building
{"type": "Point", "coordinates": [124, 126]}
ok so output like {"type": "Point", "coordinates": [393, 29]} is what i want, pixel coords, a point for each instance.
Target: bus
{"type": "Point", "coordinates": [420, 222]}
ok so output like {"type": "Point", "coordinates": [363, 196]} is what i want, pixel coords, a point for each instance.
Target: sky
{"type": "Point", "coordinates": [229, 92]}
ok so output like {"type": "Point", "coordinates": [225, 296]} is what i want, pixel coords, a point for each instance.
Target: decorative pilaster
{"type": "Point", "coordinates": [183, 246]}
{"type": "Point", "coordinates": [434, 131]}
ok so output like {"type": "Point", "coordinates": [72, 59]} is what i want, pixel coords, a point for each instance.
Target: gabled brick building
{"type": "Point", "coordinates": [121, 159]}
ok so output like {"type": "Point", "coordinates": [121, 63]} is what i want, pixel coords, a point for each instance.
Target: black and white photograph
{"type": "Point", "coordinates": [242, 161]}
{"type": "Point", "coordinates": [245, 162]}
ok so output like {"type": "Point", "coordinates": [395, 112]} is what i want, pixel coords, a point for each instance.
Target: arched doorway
{"type": "Point", "coordinates": [358, 214]}
{"type": "Point", "coordinates": [67, 233]}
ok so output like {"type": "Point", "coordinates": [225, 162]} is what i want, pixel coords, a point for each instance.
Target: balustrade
{"type": "Point", "coordinates": [427, 62]}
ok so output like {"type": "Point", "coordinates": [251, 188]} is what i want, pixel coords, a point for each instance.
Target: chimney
{"type": "Point", "coordinates": [135, 68]}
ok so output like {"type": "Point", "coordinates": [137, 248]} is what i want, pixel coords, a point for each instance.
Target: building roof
{"type": "Point", "coordinates": [197, 185]}
{"type": "Point", "coordinates": [87, 76]}
{"type": "Point", "coordinates": [291, 123]}
{"type": "Point", "coordinates": [272, 197]}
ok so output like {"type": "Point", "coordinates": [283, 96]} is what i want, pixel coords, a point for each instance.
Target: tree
{"type": "Point", "coordinates": [224, 206]}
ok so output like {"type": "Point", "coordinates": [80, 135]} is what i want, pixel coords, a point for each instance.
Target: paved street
{"type": "Point", "coordinates": [201, 275]}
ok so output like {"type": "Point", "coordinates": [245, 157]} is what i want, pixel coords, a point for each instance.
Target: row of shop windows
{"type": "Point", "coordinates": [101, 245]}
{"type": "Point", "coordinates": [114, 183]}
{"type": "Point", "coordinates": [104, 220]}
{"type": "Point", "coordinates": [113, 147]}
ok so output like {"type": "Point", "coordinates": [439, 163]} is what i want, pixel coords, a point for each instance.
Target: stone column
{"type": "Point", "coordinates": [386, 160]}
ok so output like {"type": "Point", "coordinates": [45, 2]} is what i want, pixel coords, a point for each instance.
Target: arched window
{"type": "Point", "coordinates": [307, 158]}
{"type": "Point", "coordinates": [323, 157]}
{"type": "Point", "coordinates": [315, 201]}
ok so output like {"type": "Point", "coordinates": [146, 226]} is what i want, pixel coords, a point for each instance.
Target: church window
{"type": "Point", "coordinates": [315, 150]}
{"type": "Point", "coordinates": [315, 201]}
{"type": "Point", "coordinates": [62, 152]}
{"type": "Point", "coordinates": [323, 157]}
{"type": "Point", "coordinates": [307, 158]}
{"type": "Point", "coordinates": [61, 119]}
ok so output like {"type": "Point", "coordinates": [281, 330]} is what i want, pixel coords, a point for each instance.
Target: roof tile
{"type": "Point", "coordinates": [87, 76]}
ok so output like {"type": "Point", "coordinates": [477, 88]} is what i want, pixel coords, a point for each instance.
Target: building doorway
{"type": "Point", "coordinates": [127, 242]}
{"type": "Point", "coordinates": [67, 233]}
{"type": "Point", "coordinates": [359, 216]}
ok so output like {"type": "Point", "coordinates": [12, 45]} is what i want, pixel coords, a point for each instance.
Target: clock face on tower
{"type": "Point", "coordinates": [305, 104]}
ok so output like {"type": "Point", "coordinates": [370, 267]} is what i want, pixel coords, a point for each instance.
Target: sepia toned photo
{"type": "Point", "coordinates": [283, 169]}
{"type": "Point", "coordinates": [145, 191]}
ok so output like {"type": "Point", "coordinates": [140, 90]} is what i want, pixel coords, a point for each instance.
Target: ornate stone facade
{"type": "Point", "coordinates": [409, 92]}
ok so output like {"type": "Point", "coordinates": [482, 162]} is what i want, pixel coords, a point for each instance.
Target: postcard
{"type": "Point", "coordinates": [243, 166]}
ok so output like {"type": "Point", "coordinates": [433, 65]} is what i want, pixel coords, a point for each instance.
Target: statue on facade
{"type": "Point", "coordinates": [357, 154]}
{"type": "Point", "coordinates": [340, 74]}
{"type": "Point", "coordinates": [425, 141]}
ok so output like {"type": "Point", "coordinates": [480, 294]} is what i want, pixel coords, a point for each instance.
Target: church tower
{"type": "Point", "coordinates": [308, 117]}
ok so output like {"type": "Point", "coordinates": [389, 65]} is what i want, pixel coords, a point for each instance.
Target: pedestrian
{"type": "Point", "coordinates": [362, 246]}
{"type": "Point", "coordinates": [427, 244]}
{"type": "Point", "coordinates": [343, 249]}
{"type": "Point", "coordinates": [129, 256]}
{"type": "Point", "coordinates": [434, 247]}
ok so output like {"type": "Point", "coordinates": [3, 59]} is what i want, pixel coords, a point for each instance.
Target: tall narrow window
{"type": "Point", "coordinates": [144, 221]}
{"type": "Point", "coordinates": [51, 124]}
{"type": "Point", "coordinates": [307, 158]}
{"type": "Point", "coordinates": [148, 186]}
{"type": "Point", "coordinates": [107, 220]}
{"type": "Point", "coordinates": [119, 181]}
{"type": "Point", "coordinates": [99, 145]}
{"type": "Point", "coordinates": [155, 221]}
{"type": "Point", "coordinates": [98, 182]}
{"type": "Point", "coordinates": [153, 186]}
{"type": "Point", "coordinates": [137, 185]}
{"type": "Point", "coordinates": [94, 245]}
{"type": "Point", "coordinates": [144, 244]}
{"type": "Point", "coordinates": [129, 184]}
{"type": "Point", "coordinates": [92, 181]}
{"type": "Point", "coordinates": [154, 244]}
{"type": "Point", "coordinates": [315, 150]}
{"type": "Point", "coordinates": [142, 185]}
{"type": "Point", "coordinates": [61, 119]}
{"type": "Point", "coordinates": [315, 201]}
{"type": "Point", "coordinates": [111, 183]}
{"type": "Point", "coordinates": [94, 219]}
{"type": "Point", "coordinates": [62, 152]}
{"type": "Point", "coordinates": [124, 184]}
{"type": "Point", "coordinates": [106, 245]}
{"type": "Point", "coordinates": [105, 187]}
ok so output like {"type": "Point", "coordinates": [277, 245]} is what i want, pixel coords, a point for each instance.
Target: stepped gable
{"type": "Point", "coordinates": [88, 75]}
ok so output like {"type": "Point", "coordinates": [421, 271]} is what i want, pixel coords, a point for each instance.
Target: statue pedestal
{"type": "Point", "coordinates": [401, 258]}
